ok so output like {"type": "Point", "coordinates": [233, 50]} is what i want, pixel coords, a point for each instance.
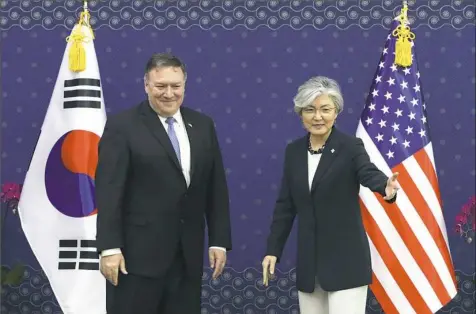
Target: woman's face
{"type": "Point", "coordinates": [319, 117]}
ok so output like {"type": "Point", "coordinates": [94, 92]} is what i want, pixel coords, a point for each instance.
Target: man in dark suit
{"type": "Point", "coordinates": [322, 175]}
{"type": "Point", "coordinates": [159, 181]}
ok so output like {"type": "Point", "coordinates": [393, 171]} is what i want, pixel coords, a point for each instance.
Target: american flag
{"type": "Point", "coordinates": [412, 266]}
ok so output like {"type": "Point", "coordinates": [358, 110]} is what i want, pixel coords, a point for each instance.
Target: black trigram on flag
{"type": "Point", "coordinates": [82, 93]}
{"type": "Point", "coordinates": [78, 254]}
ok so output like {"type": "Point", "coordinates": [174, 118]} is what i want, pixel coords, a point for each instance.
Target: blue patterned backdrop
{"type": "Point", "coordinates": [245, 61]}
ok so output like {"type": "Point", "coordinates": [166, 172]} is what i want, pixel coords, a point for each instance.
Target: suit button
{"type": "Point", "coordinates": [182, 221]}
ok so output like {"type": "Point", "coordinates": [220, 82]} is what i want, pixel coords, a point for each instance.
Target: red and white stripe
{"type": "Point", "coordinates": [411, 261]}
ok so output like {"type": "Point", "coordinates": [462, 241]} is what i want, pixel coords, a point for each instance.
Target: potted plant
{"type": "Point", "coordinates": [465, 221]}
{"type": "Point", "coordinates": [10, 196]}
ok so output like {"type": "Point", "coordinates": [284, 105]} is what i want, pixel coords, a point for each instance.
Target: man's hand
{"type": "Point", "coordinates": [217, 261]}
{"type": "Point", "coordinates": [392, 187]}
{"type": "Point", "coordinates": [269, 264]}
{"type": "Point", "coordinates": [110, 265]}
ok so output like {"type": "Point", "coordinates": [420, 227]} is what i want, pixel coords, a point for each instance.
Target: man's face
{"type": "Point", "coordinates": [165, 87]}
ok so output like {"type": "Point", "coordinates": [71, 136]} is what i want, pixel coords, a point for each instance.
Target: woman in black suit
{"type": "Point", "coordinates": [322, 175]}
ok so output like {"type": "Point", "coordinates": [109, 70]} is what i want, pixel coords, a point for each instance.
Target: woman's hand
{"type": "Point", "coordinates": [392, 187]}
{"type": "Point", "coordinates": [269, 264]}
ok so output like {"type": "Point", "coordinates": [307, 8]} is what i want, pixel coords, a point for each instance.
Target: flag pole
{"type": "Point", "coordinates": [403, 46]}
{"type": "Point", "coordinates": [77, 54]}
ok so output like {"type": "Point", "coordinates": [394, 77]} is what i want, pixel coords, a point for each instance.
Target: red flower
{"type": "Point", "coordinates": [10, 191]}
{"type": "Point", "coordinates": [466, 209]}
{"type": "Point", "coordinates": [461, 219]}
{"type": "Point", "coordinates": [458, 229]}
{"type": "Point", "coordinates": [465, 221]}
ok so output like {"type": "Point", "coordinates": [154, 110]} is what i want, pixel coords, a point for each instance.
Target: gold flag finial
{"type": "Point", "coordinates": [77, 53]}
{"type": "Point", "coordinates": [403, 46]}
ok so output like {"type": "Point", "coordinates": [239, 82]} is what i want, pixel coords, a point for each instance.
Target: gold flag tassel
{"type": "Point", "coordinates": [77, 53]}
{"type": "Point", "coordinates": [403, 46]}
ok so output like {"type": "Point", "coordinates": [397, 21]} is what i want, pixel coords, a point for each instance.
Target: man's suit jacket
{"type": "Point", "coordinates": [332, 242]}
{"type": "Point", "coordinates": [144, 205]}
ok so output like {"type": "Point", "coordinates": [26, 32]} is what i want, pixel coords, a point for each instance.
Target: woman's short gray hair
{"type": "Point", "coordinates": [315, 87]}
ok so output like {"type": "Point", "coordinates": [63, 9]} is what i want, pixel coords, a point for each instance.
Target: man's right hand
{"type": "Point", "coordinates": [110, 266]}
{"type": "Point", "coordinates": [269, 263]}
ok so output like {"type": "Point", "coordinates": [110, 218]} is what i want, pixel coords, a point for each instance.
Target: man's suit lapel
{"type": "Point", "coordinates": [152, 121]}
{"type": "Point", "coordinates": [331, 151]}
{"type": "Point", "coordinates": [192, 138]}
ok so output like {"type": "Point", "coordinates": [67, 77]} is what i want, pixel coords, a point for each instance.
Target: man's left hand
{"type": "Point", "coordinates": [392, 187]}
{"type": "Point", "coordinates": [217, 261]}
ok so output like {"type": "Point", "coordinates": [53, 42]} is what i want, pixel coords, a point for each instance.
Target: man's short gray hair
{"type": "Point", "coordinates": [163, 60]}
{"type": "Point", "coordinates": [315, 87]}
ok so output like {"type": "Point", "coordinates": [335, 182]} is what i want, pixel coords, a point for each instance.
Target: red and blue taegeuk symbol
{"type": "Point", "coordinates": [70, 171]}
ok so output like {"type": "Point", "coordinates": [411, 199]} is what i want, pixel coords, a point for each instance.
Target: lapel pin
{"type": "Point", "coordinates": [189, 124]}
{"type": "Point", "coordinates": [332, 150]}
